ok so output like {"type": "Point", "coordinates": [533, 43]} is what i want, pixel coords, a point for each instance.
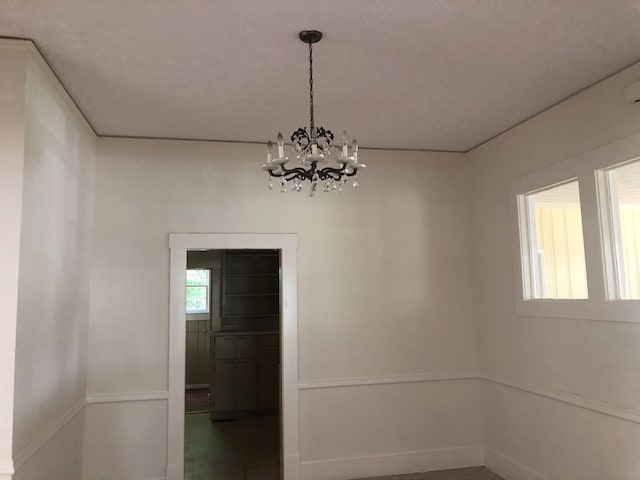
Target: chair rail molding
{"type": "Point", "coordinates": [571, 399]}
{"type": "Point", "coordinates": [392, 379]}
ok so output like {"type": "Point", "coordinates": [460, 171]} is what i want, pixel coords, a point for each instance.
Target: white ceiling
{"type": "Point", "coordinates": [418, 74]}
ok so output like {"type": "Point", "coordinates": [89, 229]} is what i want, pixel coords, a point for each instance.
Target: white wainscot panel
{"type": "Point", "coordinates": [391, 428]}
{"type": "Point", "coordinates": [126, 440]}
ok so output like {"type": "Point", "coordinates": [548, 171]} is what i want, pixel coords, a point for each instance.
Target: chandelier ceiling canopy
{"type": "Point", "coordinates": [313, 148]}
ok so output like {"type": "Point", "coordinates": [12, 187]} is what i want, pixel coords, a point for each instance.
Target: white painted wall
{"type": "Point", "coordinates": [53, 279]}
{"type": "Point", "coordinates": [533, 436]}
{"type": "Point", "coordinates": [385, 296]}
{"type": "Point", "coordinates": [385, 290]}
{"type": "Point", "coordinates": [13, 72]}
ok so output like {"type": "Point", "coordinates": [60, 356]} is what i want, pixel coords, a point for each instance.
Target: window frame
{"type": "Point", "coordinates": [530, 257]}
{"type": "Point", "coordinates": [597, 229]}
{"type": "Point", "coordinates": [609, 212]}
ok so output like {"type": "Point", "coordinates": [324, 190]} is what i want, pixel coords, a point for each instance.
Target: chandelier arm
{"type": "Point", "coordinates": [291, 173]}
{"type": "Point", "coordinates": [330, 172]}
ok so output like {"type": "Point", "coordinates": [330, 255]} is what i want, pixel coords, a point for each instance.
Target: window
{"type": "Point", "coordinates": [552, 243]}
{"type": "Point", "coordinates": [576, 224]}
{"type": "Point", "coordinates": [197, 290]}
{"type": "Point", "coordinates": [622, 200]}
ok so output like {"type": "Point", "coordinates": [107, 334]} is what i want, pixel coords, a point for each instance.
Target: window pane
{"type": "Point", "coordinates": [196, 304]}
{"type": "Point", "coordinates": [558, 262]}
{"type": "Point", "coordinates": [624, 184]}
{"type": "Point", "coordinates": [197, 290]}
{"type": "Point", "coordinates": [198, 277]}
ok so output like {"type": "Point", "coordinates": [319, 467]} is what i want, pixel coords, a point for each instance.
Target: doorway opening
{"type": "Point", "coordinates": [232, 364]}
{"type": "Point", "coordinates": [251, 353]}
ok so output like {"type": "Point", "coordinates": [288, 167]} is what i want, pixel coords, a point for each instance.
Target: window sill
{"type": "Point", "coordinates": [620, 311]}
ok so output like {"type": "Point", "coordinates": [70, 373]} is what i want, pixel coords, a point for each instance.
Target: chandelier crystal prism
{"type": "Point", "coordinates": [312, 149]}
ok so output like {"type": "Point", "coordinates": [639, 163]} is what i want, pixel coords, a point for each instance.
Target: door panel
{"type": "Point", "coordinates": [191, 359]}
{"type": "Point", "coordinates": [203, 352]}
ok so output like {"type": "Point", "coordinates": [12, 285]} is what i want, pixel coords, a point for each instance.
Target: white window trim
{"type": "Point", "coordinates": [603, 303]}
{"type": "Point", "coordinates": [609, 213]}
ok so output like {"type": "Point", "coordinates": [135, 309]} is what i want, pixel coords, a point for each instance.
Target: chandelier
{"type": "Point", "coordinates": [312, 149]}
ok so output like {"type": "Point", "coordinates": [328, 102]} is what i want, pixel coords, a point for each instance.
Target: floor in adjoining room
{"type": "Point", "coordinates": [244, 449]}
{"type": "Point", "coordinates": [196, 400]}
{"type": "Point", "coordinates": [249, 449]}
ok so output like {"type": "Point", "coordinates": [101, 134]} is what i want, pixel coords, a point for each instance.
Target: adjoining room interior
{"type": "Point", "coordinates": [471, 311]}
{"type": "Point", "coordinates": [232, 367]}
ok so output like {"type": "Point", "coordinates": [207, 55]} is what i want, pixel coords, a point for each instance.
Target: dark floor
{"type": "Point", "coordinates": [248, 449]}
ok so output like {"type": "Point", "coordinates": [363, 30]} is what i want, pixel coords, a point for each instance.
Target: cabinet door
{"type": "Point", "coordinates": [223, 388]}
{"type": "Point", "coordinates": [203, 352]}
{"type": "Point", "coordinates": [245, 384]}
{"type": "Point", "coordinates": [245, 346]}
{"type": "Point", "coordinates": [225, 347]}
{"type": "Point", "coordinates": [268, 383]}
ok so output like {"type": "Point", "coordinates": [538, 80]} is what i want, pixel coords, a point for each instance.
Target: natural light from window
{"type": "Point", "coordinates": [197, 290]}
{"type": "Point", "coordinates": [556, 244]}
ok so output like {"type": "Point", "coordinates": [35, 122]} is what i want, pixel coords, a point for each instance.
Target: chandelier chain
{"type": "Point", "coordinates": [312, 126]}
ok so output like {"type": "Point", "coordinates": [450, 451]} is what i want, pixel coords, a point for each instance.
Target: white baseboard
{"type": "Point", "coordinates": [508, 468]}
{"type": "Point", "coordinates": [391, 464]}
{"type": "Point", "coordinates": [291, 467]}
{"type": "Point", "coordinates": [6, 469]}
{"type": "Point", "coordinates": [175, 471]}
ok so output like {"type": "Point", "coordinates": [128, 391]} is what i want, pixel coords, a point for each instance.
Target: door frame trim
{"type": "Point", "coordinates": [179, 244]}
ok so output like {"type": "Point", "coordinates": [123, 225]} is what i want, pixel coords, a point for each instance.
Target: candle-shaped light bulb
{"type": "Point", "coordinates": [345, 144]}
{"type": "Point", "coordinates": [280, 145]}
{"type": "Point", "coordinates": [314, 148]}
{"type": "Point", "coordinates": [269, 155]}
{"type": "Point", "coordinates": [354, 149]}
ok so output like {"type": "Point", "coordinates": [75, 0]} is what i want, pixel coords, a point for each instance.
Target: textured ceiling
{"type": "Point", "coordinates": [420, 74]}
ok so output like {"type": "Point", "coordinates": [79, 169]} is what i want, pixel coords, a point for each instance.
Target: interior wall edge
{"type": "Point", "coordinates": [392, 463]}
{"type": "Point", "coordinates": [46, 435]}
{"type": "Point", "coordinates": [507, 467]}
{"type": "Point", "coordinates": [567, 398]}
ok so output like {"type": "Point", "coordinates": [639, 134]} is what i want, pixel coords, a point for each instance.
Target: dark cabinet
{"type": "Point", "coordinates": [250, 290]}
{"type": "Point", "coordinates": [246, 374]}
